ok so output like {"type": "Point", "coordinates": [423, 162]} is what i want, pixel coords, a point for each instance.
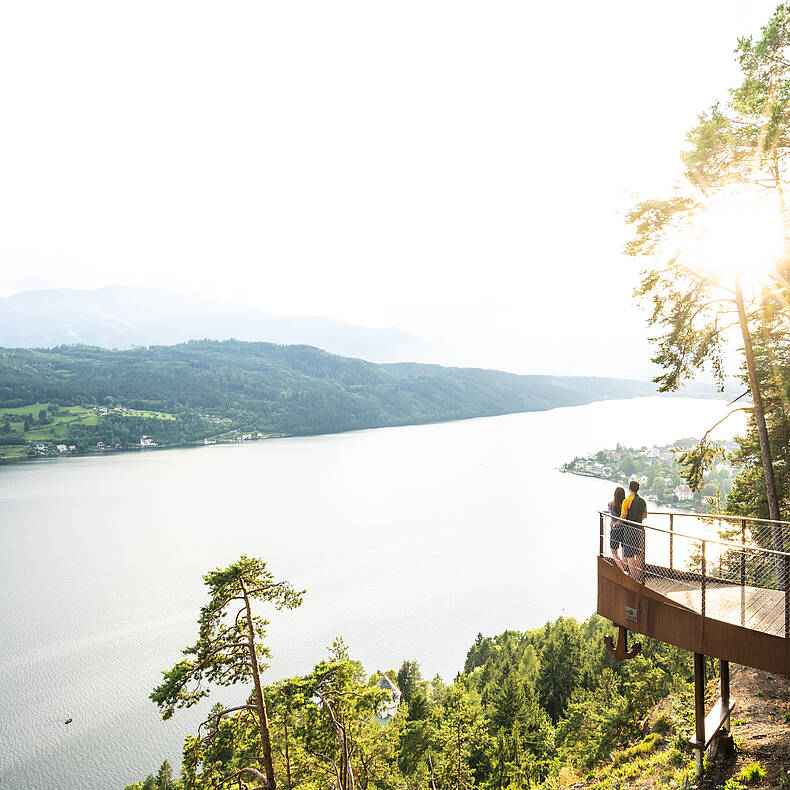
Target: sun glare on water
{"type": "Point", "coordinates": [741, 232]}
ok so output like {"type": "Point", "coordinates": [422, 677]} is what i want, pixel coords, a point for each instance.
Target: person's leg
{"type": "Point", "coordinates": [615, 539]}
{"type": "Point", "coordinates": [636, 554]}
{"type": "Point", "coordinates": [630, 549]}
{"type": "Point", "coordinates": [636, 567]}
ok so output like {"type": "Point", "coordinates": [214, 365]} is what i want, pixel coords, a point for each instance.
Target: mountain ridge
{"type": "Point", "coordinates": [213, 387]}
{"type": "Point", "coordinates": [119, 316]}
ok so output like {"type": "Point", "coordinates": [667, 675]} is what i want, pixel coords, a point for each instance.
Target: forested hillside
{"type": "Point", "coordinates": [212, 388]}
{"type": "Point", "coordinates": [528, 709]}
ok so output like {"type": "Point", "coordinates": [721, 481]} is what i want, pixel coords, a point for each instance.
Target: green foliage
{"type": "Point", "coordinates": [409, 680]}
{"type": "Point", "coordinates": [752, 773]}
{"type": "Point", "coordinates": [663, 724]}
{"type": "Point", "coordinates": [560, 666]}
{"type": "Point", "coordinates": [527, 708]}
{"type": "Point", "coordinates": [222, 653]}
{"type": "Point", "coordinates": [732, 784]}
{"type": "Point", "coordinates": [164, 777]}
{"type": "Point", "coordinates": [229, 650]}
{"type": "Point", "coordinates": [645, 746]}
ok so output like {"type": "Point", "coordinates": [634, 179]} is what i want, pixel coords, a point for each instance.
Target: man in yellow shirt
{"type": "Point", "coordinates": [634, 511]}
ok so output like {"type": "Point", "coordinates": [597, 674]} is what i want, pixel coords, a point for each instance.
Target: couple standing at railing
{"type": "Point", "coordinates": [628, 513]}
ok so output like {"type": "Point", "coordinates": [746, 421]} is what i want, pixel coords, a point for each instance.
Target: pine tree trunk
{"type": "Point", "coordinates": [765, 447]}
{"type": "Point", "coordinates": [263, 721]}
{"type": "Point", "coordinates": [287, 755]}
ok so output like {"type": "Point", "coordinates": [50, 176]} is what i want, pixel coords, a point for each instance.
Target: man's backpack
{"type": "Point", "coordinates": [638, 509]}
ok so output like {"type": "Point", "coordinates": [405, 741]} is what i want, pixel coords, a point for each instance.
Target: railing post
{"type": "Point", "coordinates": [702, 586]}
{"type": "Point", "coordinates": [600, 548]}
{"type": "Point", "coordinates": [671, 541]}
{"type": "Point", "coordinates": [787, 609]}
{"type": "Point", "coordinates": [743, 571]}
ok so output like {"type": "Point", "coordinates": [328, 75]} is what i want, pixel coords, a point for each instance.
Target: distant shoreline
{"type": "Point", "coordinates": [110, 451]}
{"type": "Point", "coordinates": [680, 505]}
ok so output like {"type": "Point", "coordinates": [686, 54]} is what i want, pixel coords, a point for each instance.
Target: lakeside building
{"type": "Point", "coordinates": [390, 706]}
{"type": "Point", "coordinates": [683, 493]}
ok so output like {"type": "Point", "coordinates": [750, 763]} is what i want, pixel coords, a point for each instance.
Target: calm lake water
{"type": "Point", "coordinates": [409, 542]}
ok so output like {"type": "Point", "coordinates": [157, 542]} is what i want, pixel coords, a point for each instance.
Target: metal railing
{"type": "Point", "coordinates": [722, 567]}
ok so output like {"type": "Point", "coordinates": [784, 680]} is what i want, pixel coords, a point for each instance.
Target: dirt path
{"type": "Point", "coordinates": [762, 734]}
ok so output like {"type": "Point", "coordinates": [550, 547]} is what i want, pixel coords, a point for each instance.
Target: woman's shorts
{"type": "Point", "coordinates": [616, 536]}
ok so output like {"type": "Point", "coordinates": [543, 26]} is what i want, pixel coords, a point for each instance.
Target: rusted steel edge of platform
{"type": "Point", "coordinates": [639, 609]}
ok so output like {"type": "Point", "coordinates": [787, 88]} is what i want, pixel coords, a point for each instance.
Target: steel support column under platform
{"type": "Point", "coordinates": [699, 710]}
{"type": "Point", "coordinates": [724, 675]}
{"type": "Point", "coordinates": [718, 719]}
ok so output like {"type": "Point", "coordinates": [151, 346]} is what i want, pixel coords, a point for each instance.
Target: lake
{"type": "Point", "coordinates": [408, 540]}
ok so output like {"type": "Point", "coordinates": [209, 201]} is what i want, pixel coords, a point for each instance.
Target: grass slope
{"type": "Point", "coordinates": [662, 761]}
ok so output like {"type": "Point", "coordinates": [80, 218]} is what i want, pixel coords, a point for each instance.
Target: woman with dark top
{"type": "Point", "coordinates": [617, 528]}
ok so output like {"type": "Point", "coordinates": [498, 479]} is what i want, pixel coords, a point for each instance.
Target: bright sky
{"type": "Point", "coordinates": [454, 168]}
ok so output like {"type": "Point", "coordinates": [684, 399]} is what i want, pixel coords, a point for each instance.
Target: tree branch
{"type": "Point", "coordinates": [725, 417]}
{"type": "Point", "coordinates": [217, 716]}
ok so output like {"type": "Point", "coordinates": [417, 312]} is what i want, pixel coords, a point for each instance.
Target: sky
{"type": "Point", "coordinates": [456, 169]}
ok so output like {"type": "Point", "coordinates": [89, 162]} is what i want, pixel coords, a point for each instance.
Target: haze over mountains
{"type": "Point", "coordinates": [125, 316]}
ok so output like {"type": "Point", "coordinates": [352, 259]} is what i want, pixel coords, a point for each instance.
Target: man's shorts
{"type": "Point", "coordinates": [633, 541]}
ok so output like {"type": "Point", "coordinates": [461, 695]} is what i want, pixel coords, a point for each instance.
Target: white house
{"type": "Point", "coordinates": [62, 449]}
{"type": "Point", "coordinates": [389, 707]}
{"type": "Point", "coordinates": [147, 441]}
{"type": "Point", "coordinates": [684, 493]}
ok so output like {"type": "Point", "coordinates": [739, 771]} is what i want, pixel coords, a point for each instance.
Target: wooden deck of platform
{"type": "Point", "coordinates": [751, 607]}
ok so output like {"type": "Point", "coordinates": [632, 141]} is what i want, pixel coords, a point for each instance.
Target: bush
{"type": "Point", "coordinates": [638, 750]}
{"type": "Point", "coordinates": [751, 773]}
{"type": "Point", "coordinates": [731, 784]}
{"type": "Point", "coordinates": [662, 724]}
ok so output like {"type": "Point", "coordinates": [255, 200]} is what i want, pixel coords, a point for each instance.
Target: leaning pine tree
{"type": "Point", "coordinates": [229, 650]}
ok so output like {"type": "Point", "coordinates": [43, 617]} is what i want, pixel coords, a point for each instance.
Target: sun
{"type": "Point", "coordinates": [741, 232]}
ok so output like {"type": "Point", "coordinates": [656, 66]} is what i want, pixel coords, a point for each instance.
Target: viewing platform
{"type": "Point", "coordinates": [711, 585]}
{"type": "Point", "coordinates": [715, 585]}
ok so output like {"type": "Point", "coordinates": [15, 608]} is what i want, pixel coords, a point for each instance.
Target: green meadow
{"type": "Point", "coordinates": [64, 419]}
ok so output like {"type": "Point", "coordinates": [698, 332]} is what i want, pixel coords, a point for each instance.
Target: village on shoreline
{"type": "Point", "coordinates": [48, 430]}
{"type": "Point", "coordinates": [658, 473]}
